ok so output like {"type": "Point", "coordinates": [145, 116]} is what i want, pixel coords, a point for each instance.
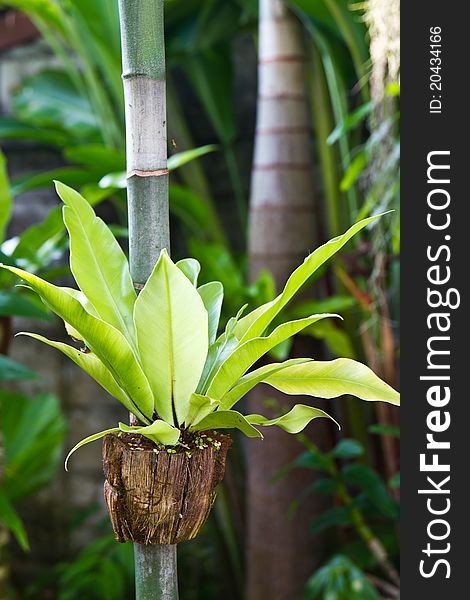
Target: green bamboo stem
{"type": "Point", "coordinates": [143, 62]}
{"type": "Point", "coordinates": [155, 569]}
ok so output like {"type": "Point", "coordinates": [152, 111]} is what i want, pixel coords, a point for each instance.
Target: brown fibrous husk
{"type": "Point", "coordinates": [159, 497]}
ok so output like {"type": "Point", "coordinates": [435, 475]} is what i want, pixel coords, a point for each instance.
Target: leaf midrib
{"type": "Point", "coordinates": [343, 379]}
{"type": "Point", "coordinates": [170, 342]}
{"type": "Point", "coordinates": [117, 311]}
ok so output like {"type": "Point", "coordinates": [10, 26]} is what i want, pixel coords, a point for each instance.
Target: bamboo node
{"type": "Point", "coordinates": [140, 173]}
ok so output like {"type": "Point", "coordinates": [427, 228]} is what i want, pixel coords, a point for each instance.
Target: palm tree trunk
{"type": "Point", "coordinates": [143, 60]}
{"type": "Point", "coordinates": [281, 552]}
{"type": "Point", "coordinates": [282, 211]}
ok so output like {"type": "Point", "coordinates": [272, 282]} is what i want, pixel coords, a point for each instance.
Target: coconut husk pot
{"type": "Point", "coordinates": [159, 497]}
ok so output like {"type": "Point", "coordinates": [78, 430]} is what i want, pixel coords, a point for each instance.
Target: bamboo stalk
{"type": "Point", "coordinates": [143, 61]}
{"type": "Point", "coordinates": [155, 569]}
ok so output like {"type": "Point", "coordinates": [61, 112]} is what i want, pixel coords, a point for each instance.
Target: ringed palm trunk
{"type": "Point", "coordinates": [281, 552]}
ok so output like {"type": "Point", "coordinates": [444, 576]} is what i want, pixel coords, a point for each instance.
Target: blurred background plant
{"type": "Point", "coordinates": [73, 108]}
{"type": "Point", "coordinates": [363, 517]}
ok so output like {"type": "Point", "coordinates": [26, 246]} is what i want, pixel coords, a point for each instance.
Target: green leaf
{"type": "Point", "coordinates": [98, 263]}
{"type": "Point", "coordinates": [350, 122]}
{"type": "Point", "coordinates": [220, 265]}
{"type": "Point", "coordinates": [97, 157]}
{"type": "Point", "coordinates": [200, 25]}
{"type": "Point", "coordinates": [354, 170]}
{"type": "Point", "coordinates": [340, 579]}
{"type": "Point", "coordinates": [294, 421]}
{"type": "Point", "coordinates": [256, 322]}
{"type": "Point", "coordinates": [378, 429]}
{"type": "Point", "coordinates": [87, 440]}
{"type": "Point", "coordinates": [10, 370]}
{"type": "Point", "coordinates": [181, 158]}
{"type": "Point", "coordinates": [109, 345]}
{"type": "Point", "coordinates": [159, 432]}
{"type": "Point", "coordinates": [212, 295]}
{"type": "Point", "coordinates": [39, 243]}
{"type": "Point", "coordinates": [329, 379]}
{"type": "Point", "coordinates": [333, 517]}
{"type": "Point", "coordinates": [245, 355]}
{"type": "Point", "coordinates": [11, 129]}
{"type": "Point", "coordinates": [348, 449]}
{"type": "Point", "coordinates": [307, 460]}
{"type": "Point", "coordinates": [87, 305]}
{"type": "Point", "coordinates": [373, 487]}
{"type": "Point", "coordinates": [50, 99]}
{"type": "Point", "coordinates": [118, 179]}
{"type": "Point", "coordinates": [336, 304]}
{"type": "Point", "coordinates": [218, 353]}
{"type": "Point", "coordinates": [328, 487]}
{"type": "Point", "coordinates": [33, 431]}
{"type": "Point", "coordinates": [227, 419]}
{"type": "Point", "coordinates": [314, 460]}
{"type": "Point", "coordinates": [5, 198]}
{"type": "Point", "coordinates": [281, 351]}
{"type": "Point", "coordinates": [92, 365]}
{"type": "Point", "coordinates": [337, 340]}
{"type": "Point", "coordinates": [199, 407]}
{"type": "Point", "coordinates": [191, 209]}
{"type": "Point", "coordinates": [211, 73]}
{"type": "Point", "coordinates": [250, 380]}
{"type": "Point", "coordinates": [13, 304]}
{"type": "Point", "coordinates": [191, 268]}
{"type": "Point", "coordinates": [75, 176]}
{"type": "Point", "coordinates": [10, 518]}
{"type": "Point", "coordinates": [325, 486]}
{"type": "Point", "coordinates": [171, 326]}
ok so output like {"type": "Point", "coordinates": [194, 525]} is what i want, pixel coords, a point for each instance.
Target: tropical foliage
{"type": "Point", "coordinates": [33, 430]}
{"type": "Point", "coordinates": [76, 108]}
{"type": "Point", "coordinates": [158, 353]}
